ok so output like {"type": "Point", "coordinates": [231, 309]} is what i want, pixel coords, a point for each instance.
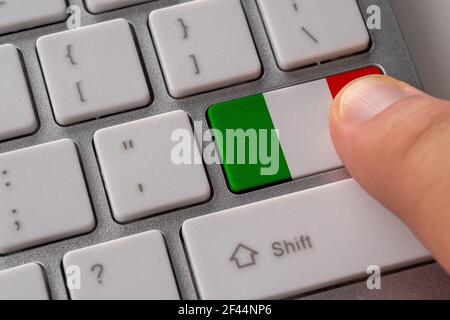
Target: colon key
{"type": "Point", "coordinates": [44, 194]}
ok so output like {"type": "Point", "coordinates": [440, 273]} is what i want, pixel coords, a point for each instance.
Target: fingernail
{"type": "Point", "coordinates": [368, 97]}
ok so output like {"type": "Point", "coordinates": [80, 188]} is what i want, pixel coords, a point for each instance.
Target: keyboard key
{"type": "Point", "coordinates": [43, 196]}
{"type": "Point", "coordinates": [141, 175]}
{"type": "Point", "coordinates": [287, 129]}
{"type": "Point", "coordinates": [296, 243]}
{"type": "Point", "coordinates": [132, 268]}
{"type": "Point", "coordinates": [204, 45]}
{"type": "Point", "coordinates": [98, 6]}
{"type": "Point", "coordinates": [17, 15]}
{"type": "Point", "coordinates": [87, 78]}
{"type": "Point", "coordinates": [312, 31]}
{"type": "Point", "coordinates": [25, 282]}
{"type": "Point", "coordinates": [17, 116]}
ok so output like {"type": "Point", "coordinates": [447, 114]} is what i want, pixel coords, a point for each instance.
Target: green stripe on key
{"type": "Point", "coordinates": [250, 151]}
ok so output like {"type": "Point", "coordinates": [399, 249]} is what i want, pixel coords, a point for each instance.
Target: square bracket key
{"type": "Point", "coordinates": [93, 71]}
{"type": "Point", "coordinates": [204, 45]}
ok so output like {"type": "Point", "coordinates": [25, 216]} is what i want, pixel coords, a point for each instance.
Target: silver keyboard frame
{"type": "Point", "coordinates": [388, 50]}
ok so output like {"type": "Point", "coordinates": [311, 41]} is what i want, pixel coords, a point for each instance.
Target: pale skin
{"type": "Point", "coordinates": [395, 141]}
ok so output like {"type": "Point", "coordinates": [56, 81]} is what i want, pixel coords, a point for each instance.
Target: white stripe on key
{"type": "Point", "coordinates": [16, 15]}
{"type": "Point", "coordinates": [309, 129]}
{"type": "Point", "coordinates": [296, 243]}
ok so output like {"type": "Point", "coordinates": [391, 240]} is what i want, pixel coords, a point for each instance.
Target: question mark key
{"type": "Point", "coordinates": [97, 269]}
{"type": "Point", "coordinates": [136, 267]}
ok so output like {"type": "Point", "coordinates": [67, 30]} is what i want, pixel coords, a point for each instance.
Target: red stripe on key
{"type": "Point", "coordinates": [338, 82]}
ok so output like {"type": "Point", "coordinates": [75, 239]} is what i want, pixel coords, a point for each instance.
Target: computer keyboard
{"type": "Point", "coordinates": [93, 204]}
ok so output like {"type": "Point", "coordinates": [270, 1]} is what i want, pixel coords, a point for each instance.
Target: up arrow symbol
{"type": "Point", "coordinates": [244, 256]}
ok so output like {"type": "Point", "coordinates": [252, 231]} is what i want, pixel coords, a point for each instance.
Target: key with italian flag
{"type": "Point", "coordinates": [278, 136]}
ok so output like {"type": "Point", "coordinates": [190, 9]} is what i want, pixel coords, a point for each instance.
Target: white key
{"type": "Point", "coordinates": [16, 15]}
{"type": "Point", "coordinates": [98, 6]}
{"type": "Point", "coordinates": [141, 175]}
{"type": "Point", "coordinates": [313, 31]}
{"type": "Point", "coordinates": [17, 116]}
{"type": "Point", "coordinates": [25, 282]}
{"type": "Point", "coordinates": [296, 243]}
{"type": "Point", "coordinates": [87, 78]}
{"type": "Point", "coordinates": [132, 268]}
{"type": "Point", "coordinates": [43, 196]}
{"type": "Point", "coordinates": [204, 45]}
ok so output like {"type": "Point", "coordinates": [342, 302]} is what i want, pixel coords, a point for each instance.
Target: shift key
{"type": "Point", "coordinates": [297, 243]}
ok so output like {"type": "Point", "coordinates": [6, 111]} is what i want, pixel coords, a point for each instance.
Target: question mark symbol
{"type": "Point", "coordinates": [98, 267]}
